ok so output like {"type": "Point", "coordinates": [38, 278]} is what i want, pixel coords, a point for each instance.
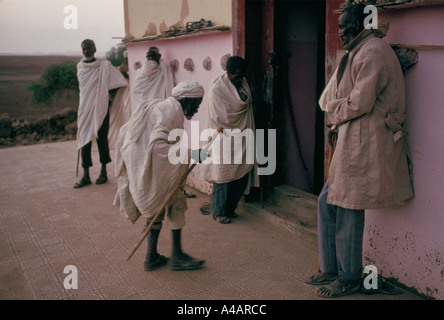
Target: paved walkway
{"type": "Point", "coordinates": [46, 225]}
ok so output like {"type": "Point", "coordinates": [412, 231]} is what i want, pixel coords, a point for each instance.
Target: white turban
{"type": "Point", "coordinates": [188, 89]}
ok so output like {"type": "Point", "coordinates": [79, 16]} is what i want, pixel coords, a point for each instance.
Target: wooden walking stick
{"type": "Point", "coordinates": [173, 191]}
{"type": "Point", "coordinates": [77, 167]}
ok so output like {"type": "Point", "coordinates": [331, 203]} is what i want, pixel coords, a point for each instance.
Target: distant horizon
{"type": "Point", "coordinates": [71, 53]}
{"type": "Point", "coordinates": [29, 27]}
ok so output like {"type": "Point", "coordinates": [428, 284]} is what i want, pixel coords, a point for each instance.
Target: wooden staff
{"type": "Point", "coordinates": [170, 195]}
{"type": "Point", "coordinates": [77, 167]}
{"type": "Point", "coordinates": [331, 149]}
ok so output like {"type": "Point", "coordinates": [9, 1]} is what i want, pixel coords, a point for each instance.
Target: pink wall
{"type": "Point", "coordinates": [407, 243]}
{"type": "Point", "coordinates": [196, 47]}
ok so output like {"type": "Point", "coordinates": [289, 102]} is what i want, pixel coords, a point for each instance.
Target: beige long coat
{"type": "Point", "coordinates": [369, 168]}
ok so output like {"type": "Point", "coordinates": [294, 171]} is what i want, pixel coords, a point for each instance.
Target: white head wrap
{"type": "Point", "coordinates": [188, 89]}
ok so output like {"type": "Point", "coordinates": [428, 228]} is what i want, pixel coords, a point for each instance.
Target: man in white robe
{"type": "Point", "coordinates": [230, 107]}
{"type": "Point", "coordinates": [97, 79]}
{"type": "Point", "coordinates": [120, 110]}
{"type": "Point", "coordinates": [146, 176]}
{"type": "Point", "coordinates": [153, 81]}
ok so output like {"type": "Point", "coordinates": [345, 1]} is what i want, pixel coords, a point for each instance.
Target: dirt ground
{"type": "Point", "coordinates": [16, 74]}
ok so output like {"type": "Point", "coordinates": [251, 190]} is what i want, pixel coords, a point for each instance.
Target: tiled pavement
{"type": "Point", "coordinates": [46, 225]}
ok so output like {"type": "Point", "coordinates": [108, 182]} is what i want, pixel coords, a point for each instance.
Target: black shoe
{"type": "Point", "coordinates": [101, 180]}
{"type": "Point", "coordinates": [185, 262]}
{"type": "Point", "coordinates": [153, 265]}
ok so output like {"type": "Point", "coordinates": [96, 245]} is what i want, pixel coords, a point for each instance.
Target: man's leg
{"type": "Point", "coordinates": [348, 235]}
{"type": "Point", "coordinates": [235, 192]}
{"type": "Point", "coordinates": [328, 268]}
{"type": "Point", "coordinates": [153, 259]}
{"type": "Point", "coordinates": [349, 238]}
{"type": "Point", "coordinates": [326, 233]}
{"type": "Point", "coordinates": [85, 153]}
{"type": "Point", "coordinates": [176, 221]}
{"type": "Point", "coordinates": [179, 259]}
{"type": "Point", "coordinates": [103, 146]}
{"type": "Point", "coordinates": [218, 202]}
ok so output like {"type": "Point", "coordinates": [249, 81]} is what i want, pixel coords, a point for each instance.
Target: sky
{"type": "Point", "coordinates": [59, 26]}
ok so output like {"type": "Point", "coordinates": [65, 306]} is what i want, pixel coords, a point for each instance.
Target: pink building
{"type": "Point", "coordinates": [407, 243]}
{"type": "Point", "coordinates": [291, 48]}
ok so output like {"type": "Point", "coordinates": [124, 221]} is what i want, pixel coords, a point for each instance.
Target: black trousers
{"type": "Point", "coordinates": [102, 144]}
{"type": "Point", "coordinates": [226, 196]}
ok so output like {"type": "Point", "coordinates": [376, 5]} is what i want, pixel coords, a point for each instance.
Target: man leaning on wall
{"type": "Point", "coordinates": [364, 104]}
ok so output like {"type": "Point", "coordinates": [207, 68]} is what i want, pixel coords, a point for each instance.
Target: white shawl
{"type": "Point", "coordinates": [153, 81]}
{"type": "Point", "coordinates": [227, 110]}
{"type": "Point", "coordinates": [119, 113]}
{"type": "Point", "coordinates": [95, 80]}
{"type": "Point", "coordinates": [145, 174]}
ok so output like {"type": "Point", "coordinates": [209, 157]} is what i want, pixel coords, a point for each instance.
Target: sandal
{"type": "Point", "coordinates": [159, 262]}
{"type": "Point", "coordinates": [383, 288]}
{"type": "Point", "coordinates": [321, 278]}
{"type": "Point", "coordinates": [222, 220]}
{"type": "Point", "coordinates": [339, 288]}
{"type": "Point", "coordinates": [205, 208]}
{"type": "Point", "coordinates": [83, 182]}
{"type": "Point", "coordinates": [101, 180]}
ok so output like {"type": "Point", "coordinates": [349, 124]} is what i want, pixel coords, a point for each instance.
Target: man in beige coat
{"type": "Point", "coordinates": [369, 168]}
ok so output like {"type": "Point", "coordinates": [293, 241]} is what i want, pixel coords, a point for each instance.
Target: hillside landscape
{"type": "Point", "coordinates": [16, 108]}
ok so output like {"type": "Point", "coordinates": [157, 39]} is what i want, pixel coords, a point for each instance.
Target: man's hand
{"type": "Point", "coordinates": [332, 137]}
{"type": "Point", "coordinates": [198, 155]}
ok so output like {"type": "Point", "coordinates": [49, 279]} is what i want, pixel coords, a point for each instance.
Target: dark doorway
{"type": "Point", "coordinates": [285, 50]}
{"type": "Point", "coordinates": [300, 48]}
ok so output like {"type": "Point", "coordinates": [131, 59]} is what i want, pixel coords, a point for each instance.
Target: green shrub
{"type": "Point", "coordinates": [58, 79]}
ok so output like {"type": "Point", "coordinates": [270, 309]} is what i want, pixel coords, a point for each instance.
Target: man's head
{"type": "Point", "coordinates": [351, 22]}
{"type": "Point", "coordinates": [88, 48]}
{"type": "Point", "coordinates": [236, 70]}
{"type": "Point", "coordinates": [190, 95]}
{"type": "Point", "coordinates": [153, 54]}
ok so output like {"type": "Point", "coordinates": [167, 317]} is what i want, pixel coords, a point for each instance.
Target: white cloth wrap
{"type": "Point", "coordinates": [95, 80]}
{"type": "Point", "coordinates": [145, 174]}
{"type": "Point", "coordinates": [153, 81]}
{"type": "Point", "coordinates": [227, 110]}
{"type": "Point", "coordinates": [188, 89]}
